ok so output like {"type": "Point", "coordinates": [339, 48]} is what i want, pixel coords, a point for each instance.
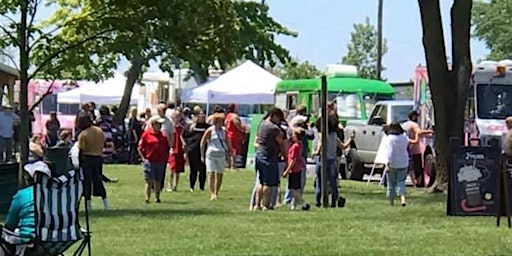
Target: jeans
{"type": "Point", "coordinates": [303, 177]}
{"type": "Point", "coordinates": [396, 181]}
{"type": "Point", "coordinates": [332, 177]}
{"type": "Point", "coordinates": [5, 148]}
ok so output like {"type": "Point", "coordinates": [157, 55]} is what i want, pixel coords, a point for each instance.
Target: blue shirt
{"type": "Point", "coordinates": [7, 121]}
{"type": "Point", "coordinates": [21, 214]}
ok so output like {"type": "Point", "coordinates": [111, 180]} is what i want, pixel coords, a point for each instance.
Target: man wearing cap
{"type": "Point", "coordinates": [8, 121]}
{"type": "Point", "coordinates": [90, 144]}
{"type": "Point", "coordinates": [507, 137]}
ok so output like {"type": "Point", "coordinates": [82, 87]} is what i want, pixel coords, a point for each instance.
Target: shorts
{"type": "Point", "coordinates": [268, 170]}
{"type": "Point", "coordinates": [294, 181]}
{"type": "Point", "coordinates": [215, 164]}
{"type": "Point", "coordinates": [153, 171]}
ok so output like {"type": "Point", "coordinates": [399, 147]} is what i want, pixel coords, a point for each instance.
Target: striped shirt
{"type": "Point", "coordinates": [105, 123]}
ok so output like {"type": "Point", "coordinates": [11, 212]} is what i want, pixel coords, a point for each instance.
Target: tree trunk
{"type": "Point", "coordinates": [132, 76]}
{"type": "Point", "coordinates": [24, 66]}
{"type": "Point", "coordinates": [449, 88]}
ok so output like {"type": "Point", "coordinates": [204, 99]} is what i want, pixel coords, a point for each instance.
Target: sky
{"type": "Point", "coordinates": [324, 28]}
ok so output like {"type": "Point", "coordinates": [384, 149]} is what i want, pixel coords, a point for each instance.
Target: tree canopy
{"type": "Point", "coordinates": [491, 24]}
{"type": "Point", "coordinates": [200, 32]}
{"type": "Point", "coordinates": [362, 49]}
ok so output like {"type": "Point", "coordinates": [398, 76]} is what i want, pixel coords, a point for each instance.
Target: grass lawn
{"type": "Point", "coordinates": [188, 223]}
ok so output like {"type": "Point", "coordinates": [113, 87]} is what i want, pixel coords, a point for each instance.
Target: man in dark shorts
{"type": "Point", "coordinates": [270, 142]}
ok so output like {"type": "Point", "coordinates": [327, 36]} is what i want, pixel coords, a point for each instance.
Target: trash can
{"type": "Point", "coordinates": [8, 184]}
{"type": "Point", "coordinates": [59, 156]}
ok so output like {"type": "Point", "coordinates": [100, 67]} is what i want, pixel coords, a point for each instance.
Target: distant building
{"type": "Point", "coordinates": [404, 90]}
{"type": "Point", "coordinates": [8, 77]}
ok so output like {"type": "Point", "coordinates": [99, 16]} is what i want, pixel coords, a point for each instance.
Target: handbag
{"type": "Point", "coordinates": [223, 145]}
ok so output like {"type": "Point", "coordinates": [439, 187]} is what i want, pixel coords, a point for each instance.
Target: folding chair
{"type": "Point", "coordinates": [56, 202]}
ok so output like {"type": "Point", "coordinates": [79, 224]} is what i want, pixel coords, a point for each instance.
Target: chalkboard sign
{"type": "Point", "coordinates": [473, 183]}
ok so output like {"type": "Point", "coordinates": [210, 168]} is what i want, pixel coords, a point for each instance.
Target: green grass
{"type": "Point", "coordinates": [189, 224]}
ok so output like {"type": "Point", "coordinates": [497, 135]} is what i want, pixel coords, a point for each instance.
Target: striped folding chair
{"type": "Point", "coordinates": [56, 202]}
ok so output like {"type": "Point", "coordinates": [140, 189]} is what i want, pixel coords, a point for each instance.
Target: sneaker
{"type": "Point", "coordinates": [170, 190]}
{"type": "Point", "coordinates": [158, 201]}
{"type": "Point", "coordinates": [318, 205]}
{"type": "Point", "coordinates": [146, 201]}
{"type": "Point", "coordinates": [293, 207]}
{"type": "Point", "coordinates": [306, 207]}
{"type": "Point", "coordinates": [106, 205]}
{"type": "Point", "coordinates": [191, 190]}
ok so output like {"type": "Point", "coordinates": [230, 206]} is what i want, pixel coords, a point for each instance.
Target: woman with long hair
{"type": "Point", "coordinates": [177, 156]}
{"type": "Point", "coordinates": [398, 162]}
{"type": "Point", "coordinates": [192, 135]}
{"type": "Point", "coordinates": [35, 146]}
{"type": "Point", "coordinates": [215, 149]}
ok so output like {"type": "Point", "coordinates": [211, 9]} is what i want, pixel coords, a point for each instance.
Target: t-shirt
{"type": "Point", "coordinates": [105, 123]}
{"type": "Point", "coordinates": [192, 134]}
{"type": "Point", "coordinates": [397, 156]}
{"type": "Point", "coordinates": [91, 141]}
{"type": "Point", "coordinates": [7, 120]}
{"type": "Point", "coordinates": [295, 153]}
{"type": "Point", "coordinates": [267, 144]}
{"type": "Point", "coordinates": [21, 214]}
{"type": "Point", "coordinates": [154, 146]}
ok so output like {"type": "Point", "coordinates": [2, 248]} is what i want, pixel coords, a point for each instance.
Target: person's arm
{"type": "Point", "coordinates": [416, 131]}
{"type": "Point", "coordinates": [170, 135]}
{"type": "Point", "coordinates": [206, 137]}
{"type": "Point", "coordinates": [13, 215]}
{"type": "Point", "coordinates": [256, 144]}
{"type": "Point", "coordinates": [36, 149]}
{"type": "Point", "coordinates": [281, 142]}
{"type": "Point", "coordinates": [346, 144]}
{"type": "Point", "coordinates": [141, 147]}
{"type": "Point", "coordinates": [238, 124]}
{"type": "Point", "coordinates": [388, 143]}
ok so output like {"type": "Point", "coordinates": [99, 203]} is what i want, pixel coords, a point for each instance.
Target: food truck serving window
{"type": "Point", "coordinates": [348, 106]}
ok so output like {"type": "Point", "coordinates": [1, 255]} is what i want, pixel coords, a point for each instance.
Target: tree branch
{"type": "Point", "coordinates": [59, 52]}
{"type": "Point", "coordinates": [11, 59]}
{"type": "Point", "coordinates": [45, 94]}
{"type": "Point", "coordinates": [10, 36]}
{"type": "Point", "coordinates": [33, 13]}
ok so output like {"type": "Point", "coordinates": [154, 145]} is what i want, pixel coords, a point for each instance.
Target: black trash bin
{"type": "Point", "coordinates": [8, 184]}
{"type": "Point", "coordinates": [59, 156]}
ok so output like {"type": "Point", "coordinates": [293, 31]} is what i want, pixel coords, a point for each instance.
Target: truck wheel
{"type": "Point", "coordinates": [354, 168]}
{"type": "Point", "coordinates": [429, 170]}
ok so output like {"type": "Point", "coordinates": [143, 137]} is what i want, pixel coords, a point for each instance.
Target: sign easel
{"type": "Point", "coordinates": [505, 180]}
{"type": "Point", "coordinates": [380, 158]}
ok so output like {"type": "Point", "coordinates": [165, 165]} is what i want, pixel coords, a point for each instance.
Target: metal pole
{"type": "Point", "coordinates": [323, 130]}
{"type": "Point", "coordinates": [379, 40]}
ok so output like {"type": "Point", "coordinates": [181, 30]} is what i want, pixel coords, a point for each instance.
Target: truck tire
{"type": "Point", "coordinates": [354, 168]}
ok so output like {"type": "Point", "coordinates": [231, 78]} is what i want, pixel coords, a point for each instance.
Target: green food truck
{"type": "Point", "coordinates": [355, 97]}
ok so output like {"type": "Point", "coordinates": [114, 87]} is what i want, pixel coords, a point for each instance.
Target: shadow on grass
{"type": "Point", "coordinates": [153, 212]}
{"type": "Point", "coordinates": [418, 198]}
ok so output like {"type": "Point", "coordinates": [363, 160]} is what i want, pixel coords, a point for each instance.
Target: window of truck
{"type": "Point", "coordinates": [494, 101]}
{"type": "Point", "coordinates": [281, 100]}
{"type": "Point", "coordinates": [291, 101]}
{"type": "Point", "coordinates": [349, 106]}
{"type": "Point", "coordinates": [400, 113]}
{"type": "Point", "coordinates": [371, 100]}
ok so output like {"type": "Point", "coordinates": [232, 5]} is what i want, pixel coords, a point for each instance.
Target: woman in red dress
{"type": "Point", "coordinates": [177, 156]}
{"type": "Point", "coordinates": [235, 132]}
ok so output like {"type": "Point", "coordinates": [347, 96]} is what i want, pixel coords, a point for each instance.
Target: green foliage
{"type": "Point", "coordinates": [362, 49]}
{"type": "Point", "coordinates": [296, 69]}
{"type": "Point", "coordinates": [491, 24]}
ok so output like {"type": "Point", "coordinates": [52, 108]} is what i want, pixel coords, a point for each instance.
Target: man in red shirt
{"type": "Point", "coordinates": [154, 151]}
{"type": "Point", "coordinates": [294, 169]}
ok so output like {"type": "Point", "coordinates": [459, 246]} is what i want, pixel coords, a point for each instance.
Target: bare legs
{"type": "Point", "coordinates": [149, 185]}
{"type": "Point", "coordinates": [215, 182]}
{"type": "Point", "coordinates": [174, 179]}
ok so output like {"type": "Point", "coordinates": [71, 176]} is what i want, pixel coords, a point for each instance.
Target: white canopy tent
{"type": "Point", "coordinates": [245, 84]}
{"type": "Point", "coordinates": [107, 92]}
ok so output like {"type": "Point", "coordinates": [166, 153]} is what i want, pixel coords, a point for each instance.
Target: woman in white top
{"type": "Point", "coordinates": [398, 162]}
{"type": "Point", "coordinates": [215, 154]}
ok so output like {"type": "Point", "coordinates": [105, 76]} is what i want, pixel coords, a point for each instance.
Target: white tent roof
{"type": "Point", "coordinates": [245, 84]}
{"type": "Point", "coordinates": [107, 92]}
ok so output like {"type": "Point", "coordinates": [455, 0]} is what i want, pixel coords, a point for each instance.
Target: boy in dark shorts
{"type": "Point", "coordinates": [293, 171]}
